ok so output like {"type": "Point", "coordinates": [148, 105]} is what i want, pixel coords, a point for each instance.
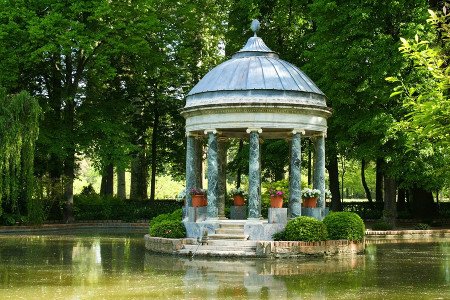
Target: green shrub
{"type": "Point", "coordinates": [279, 236]}
{"type": "Point", "coordinates": [168, 229]}
{"type": "Point", "coordinates": [381, 225]}
{"type": "Point", "coordinates": [96, 207]}
{"type": "Point", "coordinates": [344, 226]}
{"type": "Point", "coordinates": [422, 226]}
{"type": "Point", "coordinates": [305, 229]}
{"type": "Point", "coordinates": [174, 216]}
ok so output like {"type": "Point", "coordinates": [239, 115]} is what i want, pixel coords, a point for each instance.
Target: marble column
{"type": "Point", "coordinates": [295, 175]}
{"type": "Point", "coordinates": [254, 175]}
{"type": "Point", "coordinates": [190, 168]}
{"type": "Point", "coordinates": [199, 162]}
{"type": "Point", "coordinates": [319, 168]}
{"type": "Point", "coordinates": [213, 174]}
{"type": "Point", "coordinates": [222, 183]}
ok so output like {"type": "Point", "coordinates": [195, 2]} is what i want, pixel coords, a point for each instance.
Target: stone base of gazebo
{"type": "Point", "coordinates": [317, 212]}
{"type": "Point", "coordinates": [254, 230]}
{"type": "Point", "coordinates": [198, 224]}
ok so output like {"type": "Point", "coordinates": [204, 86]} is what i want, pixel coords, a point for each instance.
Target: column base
{"type": "Point", "coordinates": [317, 212]}
{"type": "Point", "coordinates": [238, 212]}
{"type": "Point", "coordinates": [196, 214]}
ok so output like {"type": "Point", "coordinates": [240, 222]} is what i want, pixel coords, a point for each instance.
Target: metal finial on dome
{"type": "Point", "coordinates": [255, 26]}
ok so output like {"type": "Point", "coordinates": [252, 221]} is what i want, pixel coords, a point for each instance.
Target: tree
{"type": "Point", "coordinates": [19, 129]}
{"type": "Point", "coordinates": [352, 46]}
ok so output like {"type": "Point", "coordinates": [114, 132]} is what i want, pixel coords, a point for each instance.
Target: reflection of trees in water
{"type": "Point", "coordinates": [271, 279]}
{"type": "Point", "coordinates": [87, 261]}
{"type": "Point", "coordinates": [445, 263]}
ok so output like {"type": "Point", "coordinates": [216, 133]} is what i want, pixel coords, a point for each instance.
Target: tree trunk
{"type": "Point", "coordinates": [390, 205]}
{"type": "Point", "coordinates": [134, 194]}
{"type": "Point", "coordinates": [364, 183]}
{"type": "Point", "coordinates": [422, 204]}
{"type": "Point", "coordinates": [139, 176]}
{"type": "Point", "coordinates": [239, 170]}
{"type": "Point", "coordinates": [333, 172]}
{"type": "Point", "coordinates": [121, 187]}
{"type": "Point", "coordinates": [107, 185]}
{"type": "Point", "coordinates": [379, 181]}
{"type": "Point", "coordinates": [69, 175]}
{"type": "Point", "coordinates": [69, 164]}
{"type": "Point", "coordinates": [154, 152]}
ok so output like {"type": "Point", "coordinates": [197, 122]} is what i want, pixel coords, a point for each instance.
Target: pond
{"type": "Point", "coordinates": [111, 265]}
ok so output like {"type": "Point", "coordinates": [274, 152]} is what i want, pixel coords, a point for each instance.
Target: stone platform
{"type": "Point", "coordinates": [245, 238]}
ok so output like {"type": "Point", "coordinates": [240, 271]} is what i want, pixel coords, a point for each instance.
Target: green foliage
{"type": "Point", "coordinates": [176, 215]}
{"type": "Point", "coordinates": [168, 229]}
{"type": "Point", "coordinates": [382, 225]}
{"type": "Point", "coordinates": [306, 229]}
{"type": "Point", "coordinates": [96, 207]}
{"type": "Point", "coordinates": [279, 236]}
{"type": "Point", "coordinates": [344, 226]}
{"type": "Point", "coordinates": [19, 129]}
{"type": "Point", "coordinates": [422, 226]}
{"type": "Point", "coordinates": [168, 225]}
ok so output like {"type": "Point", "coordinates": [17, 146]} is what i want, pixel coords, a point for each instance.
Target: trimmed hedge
{"type": "Point", "coordinates": [96, 207]}
{"type": "Point", "coordinates": [168, 229]}
{"type": "Point", "coordinates": [382, 225]}
{"type": "Point", "coordinates": [168, 225]}
{"type": "Point", "coordinates": [344, 226]}
{"type": "Point", "coordinates": [305, 229]}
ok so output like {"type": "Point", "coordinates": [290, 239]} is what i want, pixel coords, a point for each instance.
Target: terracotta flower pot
{"type": "Point", "coordinates": [198, 200]}
{"type": "Point", "coordinates": [310, 202]}
{"type": "Point", "coordinates": [238, 200]}
{"type": "Point", "coordinates": [276, 201]}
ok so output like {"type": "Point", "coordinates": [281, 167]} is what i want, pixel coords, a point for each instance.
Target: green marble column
{"type": "Point", "coordinates": [319, 169]}
{"type": "Point", "coordinates": [222, 180]}
{"type": "Point", "coordinates": [199, 162]}
{"type": "Point", "coordinates": [254, 175]}
{"type": "Point", "coordinates": [190, 168]}
{"type": "Point", "coordinates": [213, 175]}
{"type": "Point", "coordinates": [295, 193]}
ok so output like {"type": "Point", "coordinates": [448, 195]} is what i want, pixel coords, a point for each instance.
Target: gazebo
{"type": "Point", "coordinates": [255, 95]}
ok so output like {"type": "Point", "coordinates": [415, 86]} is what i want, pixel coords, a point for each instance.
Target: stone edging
{"type": "Point", "coordinates": [282, 249]}
{"type": "Point", "coordinates": [165, 245]}
{"type": "Point", "coordinates": [56, 227]}
{"type": "Point", "coordinates": [268, 249]}
{"type": "Point", "coordinates": [398, 233]}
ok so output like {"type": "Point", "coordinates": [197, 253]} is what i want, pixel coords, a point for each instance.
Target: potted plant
{"type": "Point", "coordinates": [309, 197]}
{"type": "Point", "coordinates": [198, 197]}
{"type": "Point", "coordinates": [238, 196]}
{"type": "Point", "coordinates": [276, 198]}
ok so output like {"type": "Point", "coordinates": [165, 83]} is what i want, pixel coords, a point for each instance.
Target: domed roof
{"type": "Point", "coordinates": [255, 67]}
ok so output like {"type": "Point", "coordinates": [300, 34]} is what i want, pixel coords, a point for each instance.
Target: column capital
{"type": "Point", "coordinates": [192, 134]}
{"type": "Point", "coordinates": [297, 130]}
{"type": "Point", "coordinates": [213, 131]}
{"type": "Point", "coordinates": [252, 129]}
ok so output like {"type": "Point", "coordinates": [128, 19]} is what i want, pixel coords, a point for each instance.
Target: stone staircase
{"type": "Point", "coordinates": [228, 240]}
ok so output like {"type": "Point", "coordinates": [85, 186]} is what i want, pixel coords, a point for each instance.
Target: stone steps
{"type": "Point", "coordinates": [218, 253]}
{"type": "Point", "coordinates": [231, 247]}
{"type": "Point", "coordinates": [229, 231]}
{"type": "Point", "coordinates": [219, 236]}
{"type": "Point", "coordinates": [232, 243]}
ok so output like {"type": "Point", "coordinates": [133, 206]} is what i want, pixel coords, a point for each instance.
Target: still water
{"type": "Point", "coordinates": [107, 265]}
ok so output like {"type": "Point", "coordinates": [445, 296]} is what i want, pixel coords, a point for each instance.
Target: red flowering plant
{"type": "Point", "coordinates": [197, 191]}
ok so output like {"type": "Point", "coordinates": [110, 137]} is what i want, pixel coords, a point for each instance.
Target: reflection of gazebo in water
{"type": "Point", "coordinates": [258, 96]}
